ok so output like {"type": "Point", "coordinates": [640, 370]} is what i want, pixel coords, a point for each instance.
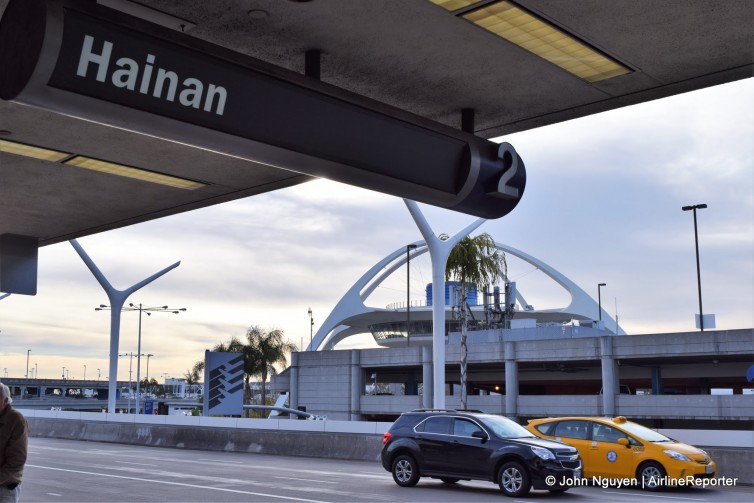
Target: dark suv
{"type": "Point", "coordinates": [455, 445]}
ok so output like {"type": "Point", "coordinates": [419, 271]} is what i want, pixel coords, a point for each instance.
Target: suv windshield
{"type": "Point", "coordinates": [504, 427]}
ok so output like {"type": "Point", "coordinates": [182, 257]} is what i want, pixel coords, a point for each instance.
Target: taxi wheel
{"type": "Point", "coordinates": [651, 475]}
{"type": "Point", "coordinates": [513, 479]}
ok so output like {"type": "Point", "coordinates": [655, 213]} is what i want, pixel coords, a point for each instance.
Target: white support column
{"type": "Point", "coordinates": [427, 377]}
{"type": "Point", "coordinates": [293, 386]}
{"type": "Point", "coordinates": [357, 385]}
{"type": "Point", "coordinates": [511, 380]}
{"type": "Point", "coordinates": [438, 252]}
{"type": "Point", "coordinates": [117, 300]}
{"type": "Point", "coordinates": [609, 376]}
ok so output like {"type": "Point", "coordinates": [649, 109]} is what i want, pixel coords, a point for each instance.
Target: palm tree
{"type": "Point", "coordinates": [268, 348]}
{"type": "Point", "coordinates": [473, 261]}
{"type": "Point", "coordinates": [194, 375]}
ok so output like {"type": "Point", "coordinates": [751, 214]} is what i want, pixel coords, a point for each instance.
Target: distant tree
{"type": "Point", "coordinates": [473, 261]}
{"type": "Point", "coordinates": [194, 374]}
{"type": "Point", "coordinates": [149, 385]}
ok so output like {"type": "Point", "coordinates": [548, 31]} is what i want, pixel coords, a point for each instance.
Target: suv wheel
{"type": "Point", "coordinates": [650, 475]}
{"type": "Point", "coordinates": [513, 479]}
{"type": "Point", "coordinates": [405, 471]}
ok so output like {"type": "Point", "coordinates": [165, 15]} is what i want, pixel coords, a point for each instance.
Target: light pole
{"type": "Point", "coordinates": [149, 355]}
{"type": "Point", "coordinates": [64, 373]}
{"type": "Point", "coordinates": [85, 372]}
{"type": "Point", "coordinates": [599, 299]}
{"type": "Point", "coordinates": [311, 329]}
{"type": "Point", "coordinates": [130, 361]}
{"type": "Point", "coordinates": [36, 371]}
{"type": "Point", "coordinates": [28, 352]}
{"type": "Point", "coordinates": [408, 294]}
{"type": "Point", "coordinates": [698, 273]}
{"type": "Point", "coordinates": [98, 374]}
{"type": "Point", "coordinates": [149, 311]}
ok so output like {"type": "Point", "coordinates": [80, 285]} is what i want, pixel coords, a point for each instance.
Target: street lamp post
{"type": "Point", "coordinates": [599, 299]}
{"type": "Point", "coordinates": [36, 371]}
{"type": "Point", "coordinates": [28, 352]}
{"type": "Point", "coordinates": [149, 311]}
{"type": "Point", "coordinates": [149, 355]}
{"type": "Point", "coordinates": [130, 373]}
{"type": "Point", "coordinates": [311, 329]}
{"type": "Point", "coordinates": [85, 372]}
{"type": "Point", "coordinates": [698, 273]}
{"type": "Point", "coordinates": [408, 294]}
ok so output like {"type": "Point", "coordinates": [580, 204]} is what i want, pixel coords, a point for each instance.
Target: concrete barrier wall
{"type": "Point", "coordinates": [735, 407]}
{"type": "Point", "coordinates": [298, 438]}
{"type": "Point", "coordinates": [733, 451]}
{"type": "Point", "coordinates": [733, 462]}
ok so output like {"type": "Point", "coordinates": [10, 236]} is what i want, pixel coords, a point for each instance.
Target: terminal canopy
{"type": "Point", "coordinates": [410, 88]}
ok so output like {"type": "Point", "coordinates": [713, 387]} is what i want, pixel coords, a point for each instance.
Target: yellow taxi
{"type": "Point", "coordinates": [614, 448]}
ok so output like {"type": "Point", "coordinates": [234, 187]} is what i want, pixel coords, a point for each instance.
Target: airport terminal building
{"type": "Point", "coordinates": [524, 364]}
{"type": "Point", "coordinates": [670, 380]}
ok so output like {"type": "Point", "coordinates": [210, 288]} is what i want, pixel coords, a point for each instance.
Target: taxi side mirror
{"type": "Point", "coordinates": [624, 442]}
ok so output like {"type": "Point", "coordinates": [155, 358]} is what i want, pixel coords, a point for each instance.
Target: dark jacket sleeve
{"type": "Point", "coordinates": [14, 456]}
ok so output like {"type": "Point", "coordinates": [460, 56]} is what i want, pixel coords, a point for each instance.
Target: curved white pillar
{"type": "Point", "coordinates": [117, 300]}
{"type": "Point", "coordinates": [438, 251]}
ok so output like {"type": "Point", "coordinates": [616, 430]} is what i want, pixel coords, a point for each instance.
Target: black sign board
{"type": "Point", "coordinates": [92, 62]}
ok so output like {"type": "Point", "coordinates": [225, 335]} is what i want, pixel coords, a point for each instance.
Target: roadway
{"type": "Point", "coordinates": [62, 471]}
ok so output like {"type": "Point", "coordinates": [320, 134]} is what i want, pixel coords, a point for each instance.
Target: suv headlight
{"type": "Point", "coordinates": [543, 453]}
{"type": "Point", "coordinates": [676, 455]}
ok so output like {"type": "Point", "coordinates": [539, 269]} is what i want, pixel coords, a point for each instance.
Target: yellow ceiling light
{"type": "Point", "coordinates": [452, 5]}
{"type": "Point", "coordinates": [45, 154]}
{"type": "Point", "coordinates": [131, 172]}
{"type": "Point", "coordinates": [509, 21]}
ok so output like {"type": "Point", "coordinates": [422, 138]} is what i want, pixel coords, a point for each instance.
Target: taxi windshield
{"type": "Point", "coordinates": [645, 433]}
{"type": "Point", "coordinates": [505, 428]}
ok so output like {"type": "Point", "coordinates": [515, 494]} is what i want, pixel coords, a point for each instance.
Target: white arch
{"type": "Point", "coordinates": [352, 304]}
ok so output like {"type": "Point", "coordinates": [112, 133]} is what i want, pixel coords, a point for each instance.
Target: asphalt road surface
{"type": "Point", "coordinates": [63, 471]}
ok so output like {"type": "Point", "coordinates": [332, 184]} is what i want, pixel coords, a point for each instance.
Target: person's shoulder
{"type": "Point", "coordinates": [15, 415]}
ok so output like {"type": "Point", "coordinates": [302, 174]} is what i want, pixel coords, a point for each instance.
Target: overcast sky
{"type": "Point", "coordinates": [602, 205]}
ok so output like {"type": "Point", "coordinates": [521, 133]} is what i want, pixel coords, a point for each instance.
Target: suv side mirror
{"type": "Point", "coordinates": [480, 434]}
{"type": "Point", "coordinates": [624, 442]}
